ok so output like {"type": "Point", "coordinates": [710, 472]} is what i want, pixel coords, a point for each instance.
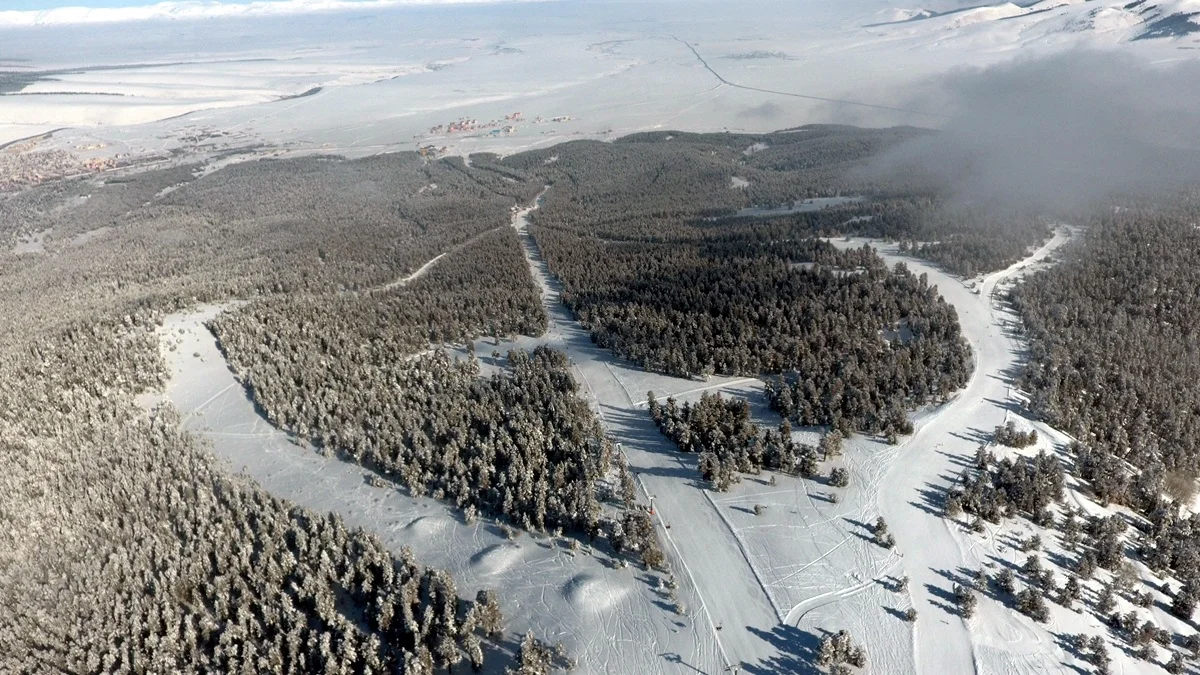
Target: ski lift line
{"type": "Point", "coordinates": [810, 97]}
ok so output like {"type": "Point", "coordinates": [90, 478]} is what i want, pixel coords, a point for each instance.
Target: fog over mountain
{"type": "Point", "coordinates": [1061, 130]}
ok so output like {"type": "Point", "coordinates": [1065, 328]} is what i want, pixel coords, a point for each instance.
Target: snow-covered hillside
{"type": "Point", "coordinates": [1124, 20]}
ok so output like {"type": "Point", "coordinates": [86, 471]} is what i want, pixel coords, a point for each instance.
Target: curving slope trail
{"type": "Point", "coordinates": [728, 602]}
{"type": "Point", "coordinates": [934, 456]}
{"type": "Point", "coordinates": [611, 619]}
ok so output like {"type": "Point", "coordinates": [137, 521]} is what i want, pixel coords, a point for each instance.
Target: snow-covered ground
{"type": "Point", "coordinates": [185, 10]}
{"type": "Point", "coordinates": [759, 590]}
{"type": "Point", "coordinates": [937, 552]}
{"type": "Point", "coordinates": [908, 488]}
{"type": "Point", "coordinates": [610, 619]}
{"type": "Point", "coordinates": [15, 132]}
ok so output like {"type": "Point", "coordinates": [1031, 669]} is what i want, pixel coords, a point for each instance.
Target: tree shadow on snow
{"type": "Point", "coordinates": [636, 428]}
{"type": "Point", "coordinates": [682, 472]}
{"type": "Point", "coordinates": [964, 462]}
{"type": "Point", "coordinates": [945, 597]}
{"type": "Point", "coordinates": [1010, 405]}
{"type": "Point", "coordinates": [997, 560]}
{"type": "Point", "coordinates": [888, 583]}
{"type": "Point", "coordinates": [974, 435]}
{"type": "Point", "coordinates": [864, 526]}
{"type": "Point", "coordinates": [672, 657]}
{"type": "Point", "coordinates": [500, 655]}
{"type": "Point", "coordinates": [797, 649]}
{"type": "Point", "coordinates": [964, 576]}
{"type": "Point", "coordinates": [638, 432]}
{"type": "Point", "coordinates": [1013, 372]}
{"type": "Point", "coordinates": [933, 499]}
{"type": "Point", "coordinates": [668, 607]}
{"type": "Point", "coordinates": [957, 577]}
{"type": "Point", "coordinates": [1060, 560]}
{"type": "Point", "coordinates": [949, 478]}
{"type": "Point", "coordinates": [1066, 643]}
{"type": "Point", "coordinates": [860, 524]}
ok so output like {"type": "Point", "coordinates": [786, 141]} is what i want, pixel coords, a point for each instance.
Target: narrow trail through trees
{"type": "Point", "coordinates": [645, 635]}
{"type": "Point", "coordinates": [726, 586]}
{"type": "Point", "coordinates": [424, 269]}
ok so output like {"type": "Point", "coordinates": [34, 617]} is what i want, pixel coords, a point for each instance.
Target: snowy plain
{"type": "Point", "coordinates": [381, 78]}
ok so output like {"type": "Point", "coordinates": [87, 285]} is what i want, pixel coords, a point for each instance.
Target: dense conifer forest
{"type": "Point", "coordinates": [1111, 331]}
{"type": "Point", "coordinates": [644, 186]}
{"type": "Point", "coordinates": [1006, 487]}
{"type": "Point", "coordinates": [348, 372]}
{"type": "Point", "coordinates": [1113, 362]}
{"type": "Point", "coordinates": [728, 441]}
{"type": "Point", "coordinates": [800, 308]}
{"type": "Point", "coordinates": [127, 548]}
{"type": "Point", "coordinates": [656, 264]}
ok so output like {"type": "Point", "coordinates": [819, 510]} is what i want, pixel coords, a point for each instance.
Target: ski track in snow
{"type": "Point", "coordinates": [725, 585]}
{"type": "Point", "coordinates": [421, 271]}
{"type": "Point", "coordinates": [931, 548]}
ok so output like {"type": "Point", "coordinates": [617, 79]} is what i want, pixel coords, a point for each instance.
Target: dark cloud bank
{"type": "Point", "coordinates": [1062, 131]}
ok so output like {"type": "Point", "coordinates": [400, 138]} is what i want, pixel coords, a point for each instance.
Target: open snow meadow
{"type": "Point", "coordinates": [387, 336]}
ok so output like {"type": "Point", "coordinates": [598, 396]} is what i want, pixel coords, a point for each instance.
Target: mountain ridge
{"type": "Point", "coordinates": [1131, 20]}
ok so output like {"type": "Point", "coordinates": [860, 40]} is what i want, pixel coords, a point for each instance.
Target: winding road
{"type": "Point", "coordinates": [809, 97]}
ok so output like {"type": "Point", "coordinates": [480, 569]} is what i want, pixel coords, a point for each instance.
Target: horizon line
{"type": "Point", "coordinates": [186, 10]}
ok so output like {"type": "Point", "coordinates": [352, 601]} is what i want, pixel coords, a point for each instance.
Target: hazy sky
{"type": "Point", "coordinates": [51, 4]}
{"type": "Point", "coordinates": [1062, 130]}
{"type": "Point", "coordinates": [27, 12]}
